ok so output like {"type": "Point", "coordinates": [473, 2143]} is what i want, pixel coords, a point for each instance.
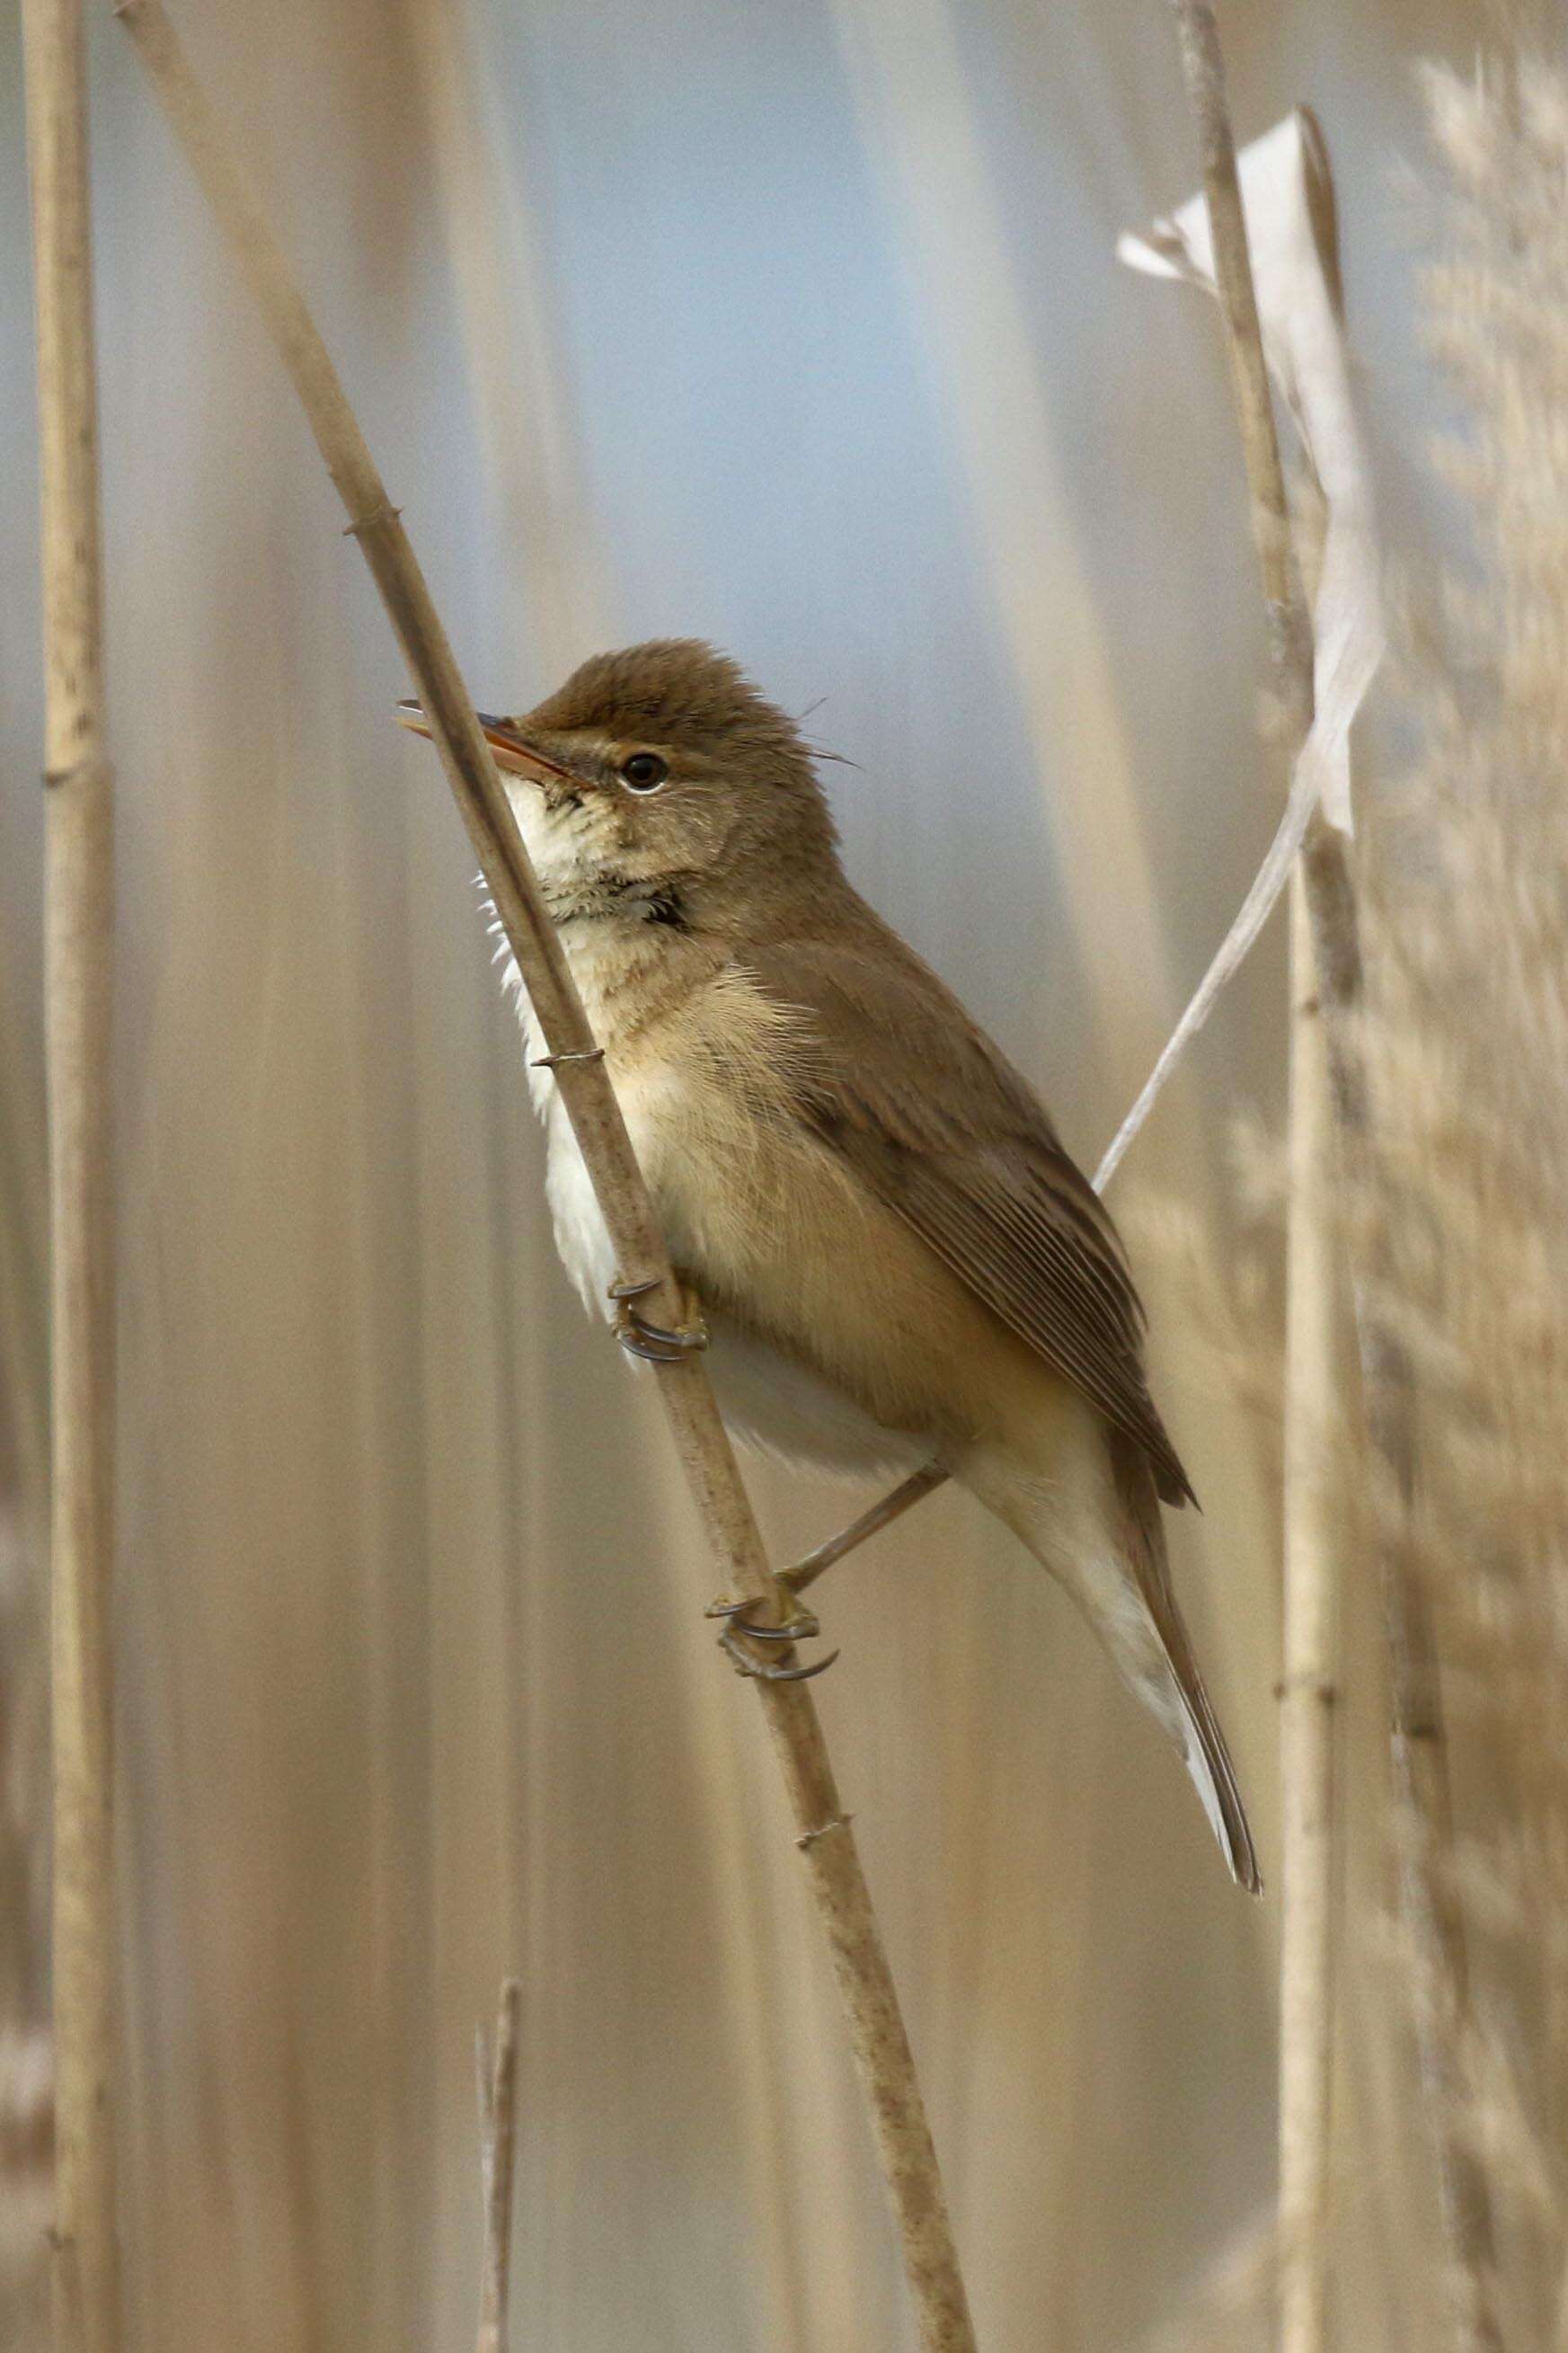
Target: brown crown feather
{"type": "Point", "coordinates": [677, 692]}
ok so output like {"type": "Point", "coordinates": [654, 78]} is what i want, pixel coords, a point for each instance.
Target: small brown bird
{"type": "Point", "coordinates": [895, 1258]}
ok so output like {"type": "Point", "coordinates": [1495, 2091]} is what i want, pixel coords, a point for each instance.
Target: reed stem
{"type": "Point", "coordinates": [1418, 1738]}
{"type": "Point", "coordinates": [1308, 1689]}
{"type": "Point", "coordinates": [78, 988]}
{"type": "Point", "coordinates": [881, 2046]}
{"type": "Point", "coordinates": [497, 2168]}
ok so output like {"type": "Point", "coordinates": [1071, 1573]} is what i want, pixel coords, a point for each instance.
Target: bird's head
{"type": "Point", "coordinates": [661, 773]}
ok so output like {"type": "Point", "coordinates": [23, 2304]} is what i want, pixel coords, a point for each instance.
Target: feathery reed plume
{"type": "Point", "coordinates": [1468, 1045]}
{"type": "Point", "coordinates": [79, 951]}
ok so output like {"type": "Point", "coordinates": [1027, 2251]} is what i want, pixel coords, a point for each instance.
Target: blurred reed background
{"type": "Point", "coordinates": [795, 326]}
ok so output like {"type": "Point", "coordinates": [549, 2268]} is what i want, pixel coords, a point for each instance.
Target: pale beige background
{"type": "Point", "coordinates": [793, 323]}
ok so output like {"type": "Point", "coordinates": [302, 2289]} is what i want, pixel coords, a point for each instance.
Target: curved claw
{"type": "Point", "coordinates": [621, 1291]}
{"type": "Point", "coordinates": [731, 1645]}
{"type": "Point", "coordinates": [802, 1628]}
{"type": "Point", "coordinates": [653, 1342]}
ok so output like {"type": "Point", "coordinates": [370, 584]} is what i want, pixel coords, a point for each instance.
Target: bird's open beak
{"type": "Point", "coordinates": [507, 748]}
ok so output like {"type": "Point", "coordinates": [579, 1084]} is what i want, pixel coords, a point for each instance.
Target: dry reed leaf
{"type": "Point", "coordinates": [1288, 203]}
{"type": "Point", "coordinates": [1289, 213]}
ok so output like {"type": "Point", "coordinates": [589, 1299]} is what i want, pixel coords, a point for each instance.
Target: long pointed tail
{"type": "Point", "coordinates": [1207, 1759]}
{"type": "Point", "coordinates": [1086, 1508]}
{"type": "Point", "coordinates": [1196, 1729]}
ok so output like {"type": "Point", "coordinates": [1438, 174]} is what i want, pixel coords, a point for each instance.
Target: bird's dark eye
{"type": "Point", "coordinates": [643, 772]}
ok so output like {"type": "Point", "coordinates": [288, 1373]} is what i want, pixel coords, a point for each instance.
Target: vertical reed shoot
{"type": "Point", "coordinates": [78, 949]}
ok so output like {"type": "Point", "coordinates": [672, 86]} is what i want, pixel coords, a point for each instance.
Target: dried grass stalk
{"type": "Point", "coordinates": [1309, 1691]}
{"type": "Point", "coordinates": [1290, 636]}
{"type": "Point", "coordinates": [78, 949]}
{"type": "Point", "coordinates": [880, 2045]}
{"type": "Point", "coordinates": [26, 2045]}
{"type": "Point", "coordinates": [498, 2167]}
{"type": "Point", "coordinates": [1419, 1740]}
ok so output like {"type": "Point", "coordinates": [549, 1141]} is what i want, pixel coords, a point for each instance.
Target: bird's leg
{"type": "Point", "coordinates": [801, 1625]}
{"type": "Point", "coordinates": [654, 1342]}
{"type": "Point", "coordinates": [661, 1346]}
{"type": "Point", "coordinates": [914, 1489]}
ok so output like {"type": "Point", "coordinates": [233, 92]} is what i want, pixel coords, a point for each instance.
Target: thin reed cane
{"type": "Point", "coordinates": [1419, 1744]}
{"type": "Point", "coordinates": [77, 958]}
{"type": "Point", "coordinates": [1307, 1688]}
{"type": "Point", "coordinates": [497, 2168]}
{"type": "Point", "coordinates": [880, 2045]}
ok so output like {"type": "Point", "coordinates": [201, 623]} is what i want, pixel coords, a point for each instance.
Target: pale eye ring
{"type": "Point", "coordinates": [643, 772]}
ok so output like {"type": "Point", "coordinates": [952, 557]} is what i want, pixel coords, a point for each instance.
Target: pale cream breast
{"type": "Point", "coordinates": [778, 1237]}
{"type": "Point", "coordinates": [777, 1232]}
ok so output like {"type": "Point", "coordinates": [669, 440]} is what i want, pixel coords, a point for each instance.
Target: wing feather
{"type": "Point", "coordinates": [948, 1136]}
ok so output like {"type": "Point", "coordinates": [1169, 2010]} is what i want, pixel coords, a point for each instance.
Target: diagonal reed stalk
{"type": "Point", "coordinates": [79, 950]}
{"type": "Point", "coordinates": [1419, 1743]}
{"type": "Point", "coordinates": [825, 1840]}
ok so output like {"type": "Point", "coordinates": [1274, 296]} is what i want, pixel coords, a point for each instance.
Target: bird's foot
{"type": "Point", "coordinates": [801, 1626]}
{"type": "Point", "coordinates": [655, 1343]}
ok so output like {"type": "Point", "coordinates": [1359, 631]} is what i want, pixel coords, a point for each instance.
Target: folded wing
{"type": "Point", "coordinates": [946, 1133]}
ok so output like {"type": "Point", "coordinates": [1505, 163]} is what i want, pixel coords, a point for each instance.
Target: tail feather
{"type": "Point", "coordinates": [1104, 1539]}
{"type": "Point", "coordinates": [1209, 1761]}
{"type": "Point", "coordinates": [1205, 1755]}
